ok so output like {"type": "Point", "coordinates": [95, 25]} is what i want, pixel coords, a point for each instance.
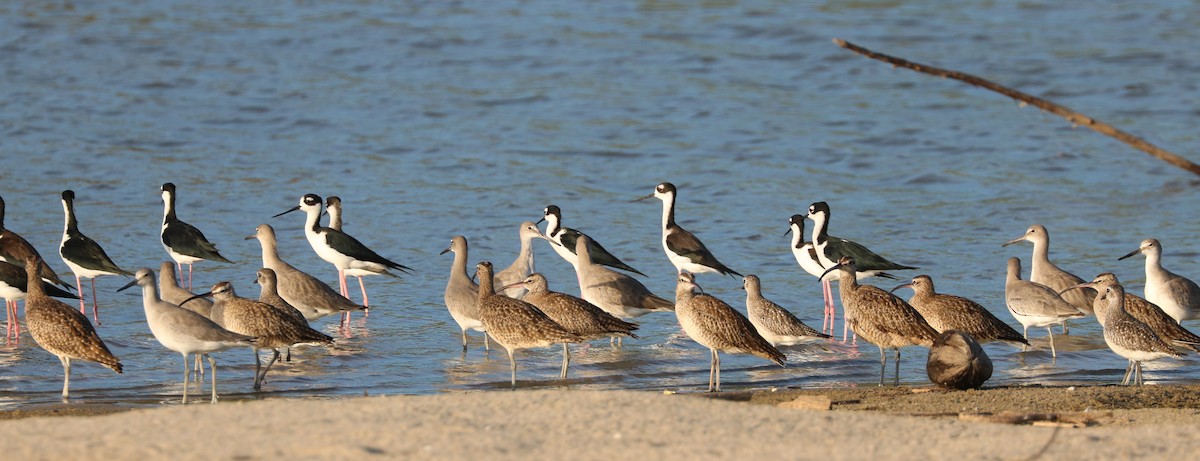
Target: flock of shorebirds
{"type": "Point", "coordinates": [515, 307]}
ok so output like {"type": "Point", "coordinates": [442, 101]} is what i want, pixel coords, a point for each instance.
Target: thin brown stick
{"type": "Point", "coordinates": [1075, 118]}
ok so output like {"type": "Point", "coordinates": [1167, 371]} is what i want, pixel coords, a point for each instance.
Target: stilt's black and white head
{"type": "Point", "coordinates": [551, 214]}
{"type": "Point", "coordinates": [796, 225]}
{"type": "Point", "coordinates": [818, 212]}
{"type": "Point", "coordinates": [1147, 247]}
{"type": "Point", "coordinates": [307, 202]}
{"type": "Point", "coordinates": [168, 192]}
{"type": "Point", "coordinates": [665, 191]}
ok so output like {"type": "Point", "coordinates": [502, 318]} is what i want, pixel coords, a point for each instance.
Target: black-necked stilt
{"type": "Point", "coordinates": [346, 253]}
{"type": "Point", "coordinates": [462, 293]}
{"type": "Point", "coordinates": [185, 243]}
{"type": "Point", "coordinates": [881, 318]}
{"type": "Point", "coordinates": [84, 256]}
{"type": "Point", "coordinates": [1034, 304]}
{"type": "Point", "coordinates": [13, 282]}
{"type": "Point", "coordinates": [806, 255]}
{"type": "Point", "coordinates": [15, 250]}
{"type": "Point", "coordinates": [686, 252]}
{"type": "Point", "coordinates": [523, 265]}
{"type": "Point", "coordinates": [565, 238]}
{"type": "Point", "coordinates": [184, 331]}
{"type": "Point", "coordinates": [948, 312]}
{"type": "Point", "coordinates": [333, 207]}
{"type": "Point", "coordinates": [1178, 296]}
{"type": "Point", "coordinates": [831, 249]}
{"type": "Point", "coordinates": [60, 330]}
{"type": "Point", "coordinates": [719, 327]}
{"type": "Point", "coordinates": [1146, 312]}
{"type": "Point", "coordinates": [1128, 337]}
{"type": "Point", "coordinates": [776, 325]}
{"type": "Point", "coordinates": [1042, 271]}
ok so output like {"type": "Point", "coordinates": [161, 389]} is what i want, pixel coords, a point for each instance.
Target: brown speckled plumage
{"type": "Point", "coordinates": [1128, 337]}
{"type": "Point", "coordinates": [717, 326]}
{"type": "Point", "coordinates": [776, 324]}
{"type": "Point", "coordinates": [956, 361]}
{"type": "Point", "coordinates": [572, 313]}
{"type": "Point", "coordinates": [306, 293]}
{"type": "Point", "coordinates": [513, 323]}
{"type": "Point", "coordinates": [948, 312]}
{"type": "Point", "coordinates": [1148, 313]}
{"type": "Point", "coordinates": [61, 330]}
{"type": "Point", "coordinates": [269, 295]}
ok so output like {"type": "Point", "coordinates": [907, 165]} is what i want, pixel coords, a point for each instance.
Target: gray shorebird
{"type": "Point", "coordinates": [830, 250]}
{"type": "Point", "coordinates": [618, 294]}
{"type": "Point", "coordinates": [1128, 337]}
{"type": "Point", "coordinates": [880, 317]}
{"type": "Point", "coordinates": [683, 249]}
{"type": "Point", "coordinates": [84, 256]}
{"type": "Point", "coordinates": [346, 253]}
{"type": "Point", "coordinates": [1042, 271]}
{"type": "Point", "coordinates": [13, 280]}
{"type": "Point", "coordinates": [1146, 312]}
{"type": "Point", "coordinates": [776, 325]}
{"type": "Point", "coordinates": [62, 330]}
{"type": "Point", "coordinates": [524, 264]}
{"type": "Point", "coordinates": [462, 293]}
{"type": "Point", "coordinates": [565, 238]}
{"type": "Point", "coordinates": [573, 314]}
{"type": "Point", "coordinates": [948, 312]}
{"type": "Point", "coordinates": [719, 327]}
{"type": "Point", "coordinates": [306, 293]}
{"type": "Point", "coordinates": [513, 323]}
{"type": "Point", "coordinates": [1034, 304]}
{"type": "Point", "coordinates": [184, 331]}
{"type": "Point", "coordinates": [170, 291]}
{"type": "Point", "coordinates": [183, 242]}
{"type": "Point", "coordinates": [1178, 296]}
{"type": "Point", "coordinates": [273, 328]}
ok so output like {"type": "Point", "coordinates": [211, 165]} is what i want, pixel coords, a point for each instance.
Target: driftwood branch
{"type": "Point", "coordinates": [1075, 118]}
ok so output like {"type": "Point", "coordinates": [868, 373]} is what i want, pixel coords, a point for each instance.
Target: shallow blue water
{"type": "Point", "coordinates": [432, 119]}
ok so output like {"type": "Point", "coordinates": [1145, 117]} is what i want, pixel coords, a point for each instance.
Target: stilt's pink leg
{"type": "Point", "coordinates": [95, 308]}
{"type": "Point", "coordinates": [189, 276]}
{"type": "Point", "coordinates": [367, 311]}
{"type": "Point", "coordinates": [79, 289]}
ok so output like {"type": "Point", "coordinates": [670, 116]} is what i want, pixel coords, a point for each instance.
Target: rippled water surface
{"type": "Point", "coordinates": [432, 119]}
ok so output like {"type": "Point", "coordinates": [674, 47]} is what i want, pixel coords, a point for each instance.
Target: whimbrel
{"type": "Point", "coordinates": [956, 361]}
{"type": "Point", "coordinates": [776, 324]}
{"type": "Point", "coordinates": [684, 250]}
{"type": "Point", "coordinates": [1146, 312]}
{"type": "Point", "coordinates": [1178, 296]}
{"type": "Point", "coordinates": [573, 314]}
{"type": "Point", "coordinates": [1128, 337]}
{"type": "Point", "coordinates": [948, 312]}
{"type": "Point", "coordinates": [1034, 304]}
{"type": "Point", "coordinates": [84, 256]}
{"type": "Point", "coordinates": [12, 288]}
{"type": "Point", "coordinates": [717, 326]}
{"type": "Point", "coordinates": [513, 323]}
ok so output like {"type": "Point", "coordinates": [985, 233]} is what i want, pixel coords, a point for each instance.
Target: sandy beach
{"type": "Point", "coordinates": [870, 423]}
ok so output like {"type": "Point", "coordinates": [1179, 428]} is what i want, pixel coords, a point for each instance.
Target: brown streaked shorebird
{"type": "Point", "coordinates": [12, 289]}
{"type": "Point", "coordinates": [1178, 296]}
{"type": "Point", "coordinates": [273, 328]}
{"type": "Point", "coordinates": [879, 317]}
{"type": "Point", "coordinates": [184, 331]}
{"type": "Point", "coordinates": [306, 293]}
{"type": "Point", "coordinates": [618, 294]}
{"type": "Point", "coordinates": [84, 256]}
{"type": "Point", "coordinates": [1146, 312]}
{"type": "Point", "coordinates": [15, 250]}
{"type": "Point", "coordinates": [269, 294]}
{"type": "Point", "coordinates": [776, 325]}
{"type": "Point", "coordinates": [513, 323]}
{"type": "Point", "coordinates": [1128, 337]}
{"type": "Point", "coordinates": [956, 361]}
{"type": "Point", "coordinates": [462, 293]}
{"type": "Point", "coordinates": [523, 265]}
{"type": "Point", "coordinates": [1034, 304]}
{"type": "Point", "coordinates": [719, 327]}
{"type": "Point", "coordinates": [573, 314]}
{"type": "Point", "coordinates": [62, 330]}
{"type": "Point", "coordinates": [1042, 271]}
{"type": "Point", "coordinates": [948, 312]}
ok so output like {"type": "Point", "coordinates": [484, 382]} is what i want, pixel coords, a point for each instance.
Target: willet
{"type": "Point", "coordinates": [1146, 312]}
{"type": "Point", "coordinates": [523, 265]}
{"type": "Point", "coordinates": [340, 249]}
{"type": "Point", "coordinates": [880, 317]}
{"type": "Point", "coordinates": [684, 250]}
{"type": "Point", "coordinates": [618, 294]}
{"type": "Point", "coordinates": [84, 256]}
{"type": "Point", "coordinates": [273, 328]}
{"type": "Point", "coordinates": [565, 238]}
{"type": "Point", "coordinates": [717, 326]}
{"type": "Point", "coordinates": [831, 249]}
{"type": "Point", "coordinates": [13, 281]}
{"type": "Point", "coordinates": [184, 331]}
{"type": "Point", "coordinates": [462, 293]}
{"type": "Point", "coordinates": [171, 292]}
{"type": "Point", "coordinates": [185, 243]}
{"type": "Point", "coordinates": [1042, 271]}
{"type": "Point", "coordinates": [513, 323]}
{"type": "Point", "coordinates": [573, 314]}
{"type": "Point", "coordinates": [948, 312]}
{"type": "Point", "coordinates": [306, 293]}
{"type": "Point", "coordinates": [776, 325]}
{"type": "Point", "coordinates": [1179, 297]}
{"type": "Point", "coordinates": [1128, 337]}
{"type": "Point", "coordinates": [61, 330]}
{"type": "Point", "coordinates": [1034, 304]}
